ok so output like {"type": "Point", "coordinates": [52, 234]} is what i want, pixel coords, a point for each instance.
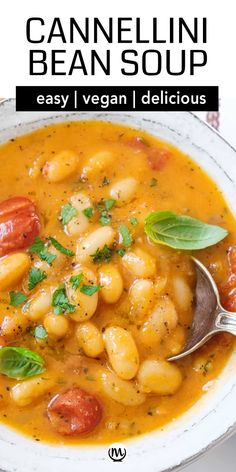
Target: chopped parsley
{"type": "Point", "coordinates": [75, 281]}
{"type": "Point", "coordinates": [38, 247]}
{"type": "Point", "coordinates": [102, 255]}
{"type": "Point", "coordinates": [121, 252]}
{"type": "Point", "coordinates": [17, 298]}
{"type": "Point", "coordinates": [105, 181]}
{"type": "Point", "coordinates": [104, 218]}
{"type": "Point", "coordinates": [109, 203]}
{"type": "Point", "coordinates": [35, 277]}
{"type": "Point", "coordinates": [60, 301]}
{"type": "Point", "coordinates": [125, 235]}
{"type": "Point", "coordinates": [88, 212]}
{"type": "Point", "coordinates": [67, 213]}
{"type": "Point", "coordinates": [153, 182]}
{"type": "Point", "coordinates": [133, 221]}
{"type": "Point", "coordinates": [40, 332]}
{"type": "Point", "coordinates": [90, 289]}
{"type": "Point", "coordinates": [61, 248]}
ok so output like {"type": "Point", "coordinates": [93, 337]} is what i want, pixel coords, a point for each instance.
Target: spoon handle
{"type": "Point", "coordinates": [226, 321]}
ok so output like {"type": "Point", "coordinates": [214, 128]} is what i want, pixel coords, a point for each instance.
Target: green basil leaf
{"type": "Point", "coordinates": [90, 289]}
{"type": "Point", "coordinates": [120, 252]}
{"type": "Point", "coordinates": [109, 203]}
{"type": "Point", "coordinates": [67, 213]}
{"type": "Point", "coordinates": [181, 231]}
{"type": "Point", "coordinates": [37, 246]}
{"type": "Point", "coordinates": [101, 255]}
{"type": "Point", "coordinates": [104, 218]}
{"type": "Point", "coordinates": [126, 235]}
{"type": "Point", "coordinates": [47, 257]}
{"type": "Point", "coordinates": [133, 221]}
{"type": "Point", "coordinates": [35, 277]}
{"type": "Point", "coordinates": [17, 298]}
{"type": "Point", "coordinates": [19, 362]}
{"type": "Point", "coordinates": [61, 248]}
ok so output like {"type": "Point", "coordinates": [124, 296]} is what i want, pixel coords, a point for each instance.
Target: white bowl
{"type": "Point", "coordinates": [213, 417]}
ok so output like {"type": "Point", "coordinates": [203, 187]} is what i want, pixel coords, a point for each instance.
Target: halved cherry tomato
{"type": "Point", "coordinates": [74, 412]}
{"type": "Point", "coordinates": [228, 289]}
{"type": "Point", "coordinates": [157, 157]}
{"type": "Point", "coordinates": [19, 224]}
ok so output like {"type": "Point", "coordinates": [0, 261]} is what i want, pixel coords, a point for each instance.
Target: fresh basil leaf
{"type": "Point", "coordinates": [67, 213]}
{"type": "Point", "coordinates": [133, 221]}
{"type": "Point", "coordinates": [60, 301]}
{"type": "Point", "coordinates": [19, 362]}
{"type": "Point", "coordinates": [75, 281]}
{"type": "Point", "coordinates": [126, 235]}
{"type": "Point", "coordinates": [35, 277]}
{"type": "Point", "coordinates": [17, 298]}
{"type": "Point", "coordinates": [61, 248]}
{"type": "Point", "coordinates": [40, 332]}
{"type": "Point", "coordinates": [90, 289]}
{"type": "Point", "coordinates": [102, 255]}
{"type": "Point", "coordinates": [182, 232]}
{"type": "Point", "coordinates": [88, 212]}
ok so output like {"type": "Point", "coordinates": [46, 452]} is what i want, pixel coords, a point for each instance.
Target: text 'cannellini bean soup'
{"type": "Point", "coordinates": [97, 282]}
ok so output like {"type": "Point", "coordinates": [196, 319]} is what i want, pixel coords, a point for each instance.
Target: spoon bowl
{"type": "Point", "coordinates": [209, 317]}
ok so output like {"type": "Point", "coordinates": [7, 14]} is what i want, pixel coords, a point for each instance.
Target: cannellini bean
{"type": "Point", "coordinates": [90, 339]}
{"type": "Point", "coordinates": [93, 242]}
{"type": "Point", "coordinates": [139, 263]}
{"type": "Point", "coordinates": [85, 305]}
{"type": "Point", "coordinates": [122, 391]}
{"type": "Point", "coordinates": [56, 325]}
{"type": "Point", "coordinates": [112, 283]}
{"type": "Point", "coordinates": [124, 190]}
{"type": "Point", "coordinates": [80, 223]}
{"type": "Point", "coordinates": [182, 293]}
{"type": "Point", "coordinates": [39, 305]}
{"type": "Point", "coordinates": [27, 391]}
{"type": "Point", "coordinates": [97, 163]}
{"type": "Point", "coordinates": [176, 341]}
{"type": "Point", "coordinates": [160, 323]}
{"type": "Point", "coordinates": [141, 297]}
{"type": "Point", "coordinates": [14, 325]}
{"type": "Point", "coordinates": [202, 364]}
{"type": "Point", "coordinates": [12, 269]}
{"type": "Point", "coordinates": [122, 352]}
{"type": "Point", "coordinates": [159, 377]}
{"type": "Point", "coordinates": [61, 166]}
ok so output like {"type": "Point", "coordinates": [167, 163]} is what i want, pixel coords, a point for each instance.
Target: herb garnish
{"type": "Point", "coordinates": [40, 332]}
{"type": "Point", "coordinates": [126, 235]}
{"type": "Point", "coordinates": [35, 277]}
{"type": "Point", "coordinates": [102, 255]}
{"type": "Point", "coordinates": [67, 213]}
{"type": "Point", "coordinates": [39, 247]}
{"type": "Point", "coordinates": [17, 298]}
{"type": "Point", "coordinates": [61, 248]}
{"type": "Point", "coordinates": [75, 281]}
{"type": "Point", "coordinates": [90, 289]}
{"type": "Point", "coordinates": [88, 212]}
{"type": "Point", "coordinates": [60, 301]}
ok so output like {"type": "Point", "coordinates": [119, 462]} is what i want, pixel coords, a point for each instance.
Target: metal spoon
{"type": "Point", "coordinates": [209, 317]}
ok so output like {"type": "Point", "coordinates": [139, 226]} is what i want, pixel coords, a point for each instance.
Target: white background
{"type": "Point", "coordinates": [220, 70]}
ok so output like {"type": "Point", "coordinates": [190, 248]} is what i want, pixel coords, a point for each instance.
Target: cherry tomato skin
{"type": "Point", "coordinates": [19, 224]}
{"type": "Point", "coordinates": [157, 158]}
{"type": "Point", "coordinates": [74, 412]}
{"type": "Point", "coordinates": [228, 289]}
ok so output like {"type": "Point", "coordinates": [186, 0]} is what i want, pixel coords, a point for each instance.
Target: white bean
{"type": "Point", "coordinates": [26, 392]}
{"type": "Point", "coordinates": [122, 352]}
{"type": "Point", "coordinates": [14, 325]}
{"type": "Point", "coordinates": [93, 242]}
{"type": "Point", "coordinates": [160, 377]}
{"type": "Point", "coordinates": [80, 223]}
{"type": "Point", "coordinates": [182, 293]}
{"type": "Point", "coordinates": [124, 190]}
{"type": "Point", "coordinates": [160, 323]}
{"type": "Point", "coordinates": [122, 391]}
{"type": "Point", "coordinates": [97, 163]}
{"type": "Point", "coordinates": [56, 326]}
{"type": "Point", "coordinates": [39, 305]}
{"type": "Point", "coordinates": [61, 166]}
{"type": "Point", "coordinates": [85, 305]}
{"type": "Point", "coordinates": [141, 297]}
{"type": "Point", "coordinates": [12, 269]}
{"type": "Point", "coordinates": [90, 339]}
{"type": "Point", "coordinates": [139, 263]}
{"type": "Point", "coordinates": [111, 281]}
